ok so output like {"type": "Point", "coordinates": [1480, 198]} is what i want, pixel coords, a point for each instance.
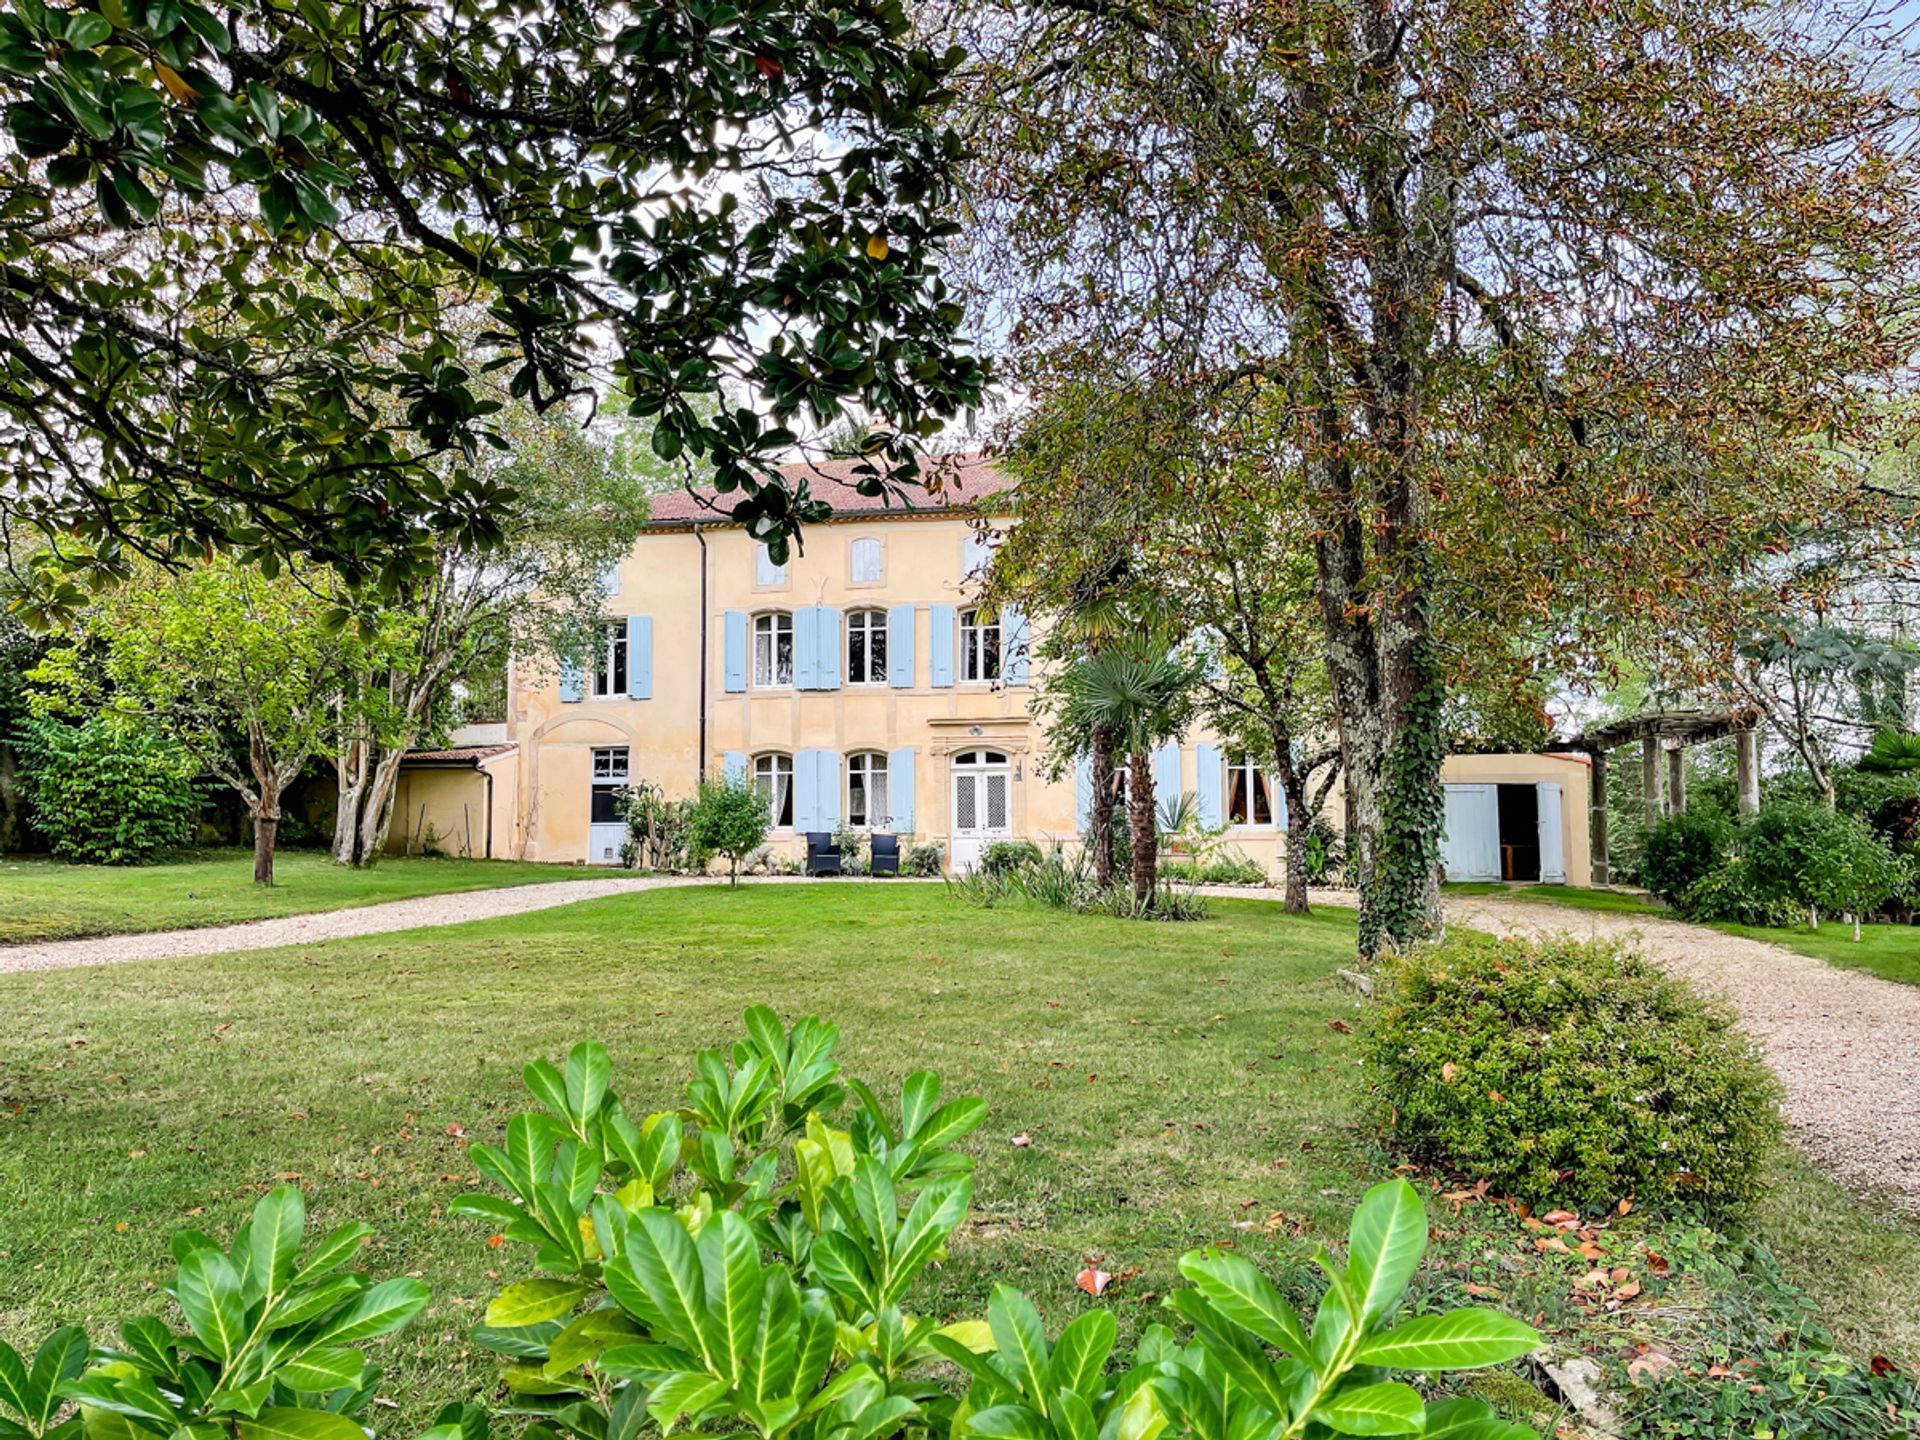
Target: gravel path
{"type": "Point", "coordinates": [332, 924]}
{"type": "Point", "coordinates": [1844, 1043]}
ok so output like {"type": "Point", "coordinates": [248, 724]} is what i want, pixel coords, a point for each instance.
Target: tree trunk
{"type": "Point", "coordinates": [1297, 810]}
{"type": "Point", "coordinates": [266, 809]}
{"type": "Point", "coordinates": [364, 815]}
{"type": "Point", "coordinates": [1100, 816]}
{"type": "Point", "coordinates": [1140, 827]}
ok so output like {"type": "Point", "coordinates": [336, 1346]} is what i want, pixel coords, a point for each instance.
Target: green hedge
{"type": "Point", "coordinates": [108, 792]}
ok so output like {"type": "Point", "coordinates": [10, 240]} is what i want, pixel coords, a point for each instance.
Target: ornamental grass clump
{"type": "Point", "coordinates": [1572, 1073]}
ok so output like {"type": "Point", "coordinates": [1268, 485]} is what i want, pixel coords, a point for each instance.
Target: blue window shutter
{"type": "Point", "coordinates": [806, 649]}
{"type": "Point", "coordinates": [639, 657]}
{"type": "Point", "coordinates": [1083, 793]}
{"type": "Point", "coordinates": [1166, 773]}
{"type": "Point", "coordinates": [735, 626]}
{"type": "Point", "coordinates": [806, 791]}
{"type": "Point", "coordinates": [826, 789]}
{"type": "Point", "coordinates": [570, 681]}
{"type": "Point", "coordinates": [1016, 638]}
{"type": "Point", "coordinates": [1209, 775]}
{"type": "Point", "coordinates": [940, 639]}
{"type": "Point", "coordinates": [900, 790]}
{"type": "Point", "coordinates": [1279, 801]}
{"type": "Point", "coordinates": [900, 647]}
{"type": "Point", "coordinates": [826, 650]}
{"type": "Point", "coordinates": [733, 768]}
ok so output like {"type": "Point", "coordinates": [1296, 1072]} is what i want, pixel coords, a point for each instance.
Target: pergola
{"type": "Point", "coordinates": [1674, 731]}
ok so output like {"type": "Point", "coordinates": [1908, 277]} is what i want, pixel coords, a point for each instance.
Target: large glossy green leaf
{"type": "Point", "coordinates": [1022, 1341]}
{"type": "Point", "coordinates": [322, 1369]}
{"type": "Point", "coordinates": [627, 1416]}
{"type": "Point", "coordinates": [1459, 1340]}
{"type": "Point", "coordinates": [936, 1213]}
{"type": "Point", "coordinates": [1388, 1408]}
{"type": "Point", "coordinates": [951, 1121]}
{"type": "Point", "coordinates": [381, 1310]}
{"type": "Point", "coordinates": [16, 1389]}
{"type": "Point", "coordinates": [688, 1394]}
{"type": "Point", "coordinates": [340, 1246]}
{"type": "Point", "coordinates": [1462, 1419]}
{"type": "Point", "coordinates": [589, 1068]}
{"type": "Point", "coordinates": [1009, 1422]}
{"type": "Point", "coordinates": [730, 1266]}
{"type": "Point", "coordinates": [1384, 1246]}
{"type": "Point", "coordinates": [278, 1422]}
{"type": "Point", "coordinates": [1080, 1354]}
{"type": "Point", "coordinates": [588, 1336]}
{"type": "Point", "coordinates": [1243, 1295]}
{"type": "Point", "coordinates": [208, 1289]}
{"type": "Point", "coordinates": [60, 1358]}
{"type": "Point", "coordinates": [528, 1302]}
{"type": "Point", "coordinates": [306, 1302]}
{"type": "Point", "coordinates": [279, 1221]}
{"type": "Point", "coordinates": [664, 1259]}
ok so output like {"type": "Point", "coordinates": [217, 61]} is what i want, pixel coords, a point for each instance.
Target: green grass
{"type": "Point", "coordinates": [50, 900]}
{"type": "Point", "coordinates": [1572, 896]}
{"type": "Point", "coordinates": [1177, 1082]}
{"type": "Point", "coordinates": [1890, 951]}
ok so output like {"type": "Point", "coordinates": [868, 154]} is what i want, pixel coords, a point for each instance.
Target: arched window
{"type": "Point", "coordinates": [867, 647]}
{"type": "Point", "coordinates": [773, 778]}
{"type": "Point", "coordinates": [773, 648]}
{"type": "Point", "coordinates": [866, 561]}
{"type": "Point", "coordinates": [1249, 793]}
{"type": "Point", "coordinates": [979, 644]}
{"type": "Point", "coordinates": [867, 789]}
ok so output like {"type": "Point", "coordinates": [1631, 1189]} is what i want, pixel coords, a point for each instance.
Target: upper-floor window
{"type": "Point", "coordinates": [610, 674]}
{"type": "Point", "coordinates": [610, 579]}
{"type": "Point", "coordinates": [765, 572]}
{"type": "Point", "coordinates": [867, 647]}
{"type": "Point", "coordinates": [867, 789]}
{"type": "Point", "coordinates": [979, 644]}
{"type": "Point", "coordinates": [773, 778]}
{"type": "Point", "coordinates": [773, 648]}
{"type": "Point", "coordinates": [866, 561]}
{"type": "Point", "coordinates": [1249, 793]}
{"type": "Point", "coordinates": [975, 555]}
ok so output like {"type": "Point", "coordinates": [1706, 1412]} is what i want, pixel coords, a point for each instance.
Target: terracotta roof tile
{"type": "Point", "coordinates": [459, 754]}
{"type": "Point", "coordinates": [954, 482]}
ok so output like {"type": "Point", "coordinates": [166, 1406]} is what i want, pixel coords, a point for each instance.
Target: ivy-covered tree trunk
{"type": "Point", "coordinates": [1142, 833]}
{"type": "Point", "coordinates": [1100, 814]}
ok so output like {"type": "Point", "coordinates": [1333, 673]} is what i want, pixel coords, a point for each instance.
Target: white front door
{"type": "Point", "coordinates": [1470, 848]}
{"type": "Point", "coordinates": [982, 805]}
{"type": "Point", "coordinates": [606, 830]}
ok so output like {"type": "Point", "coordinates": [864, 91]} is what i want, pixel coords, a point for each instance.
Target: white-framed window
{"type": "Point", "coordinates": [1249, 793]}
{"type": "Point", "coordinates": [609, 783]}
{"type": "Point", "coordinates": [866, 561]}
{"type": "Point", "coordinates": [610, 579]}
{"type": "Point", "coordinates": [765, 572]}
{"type": "Point", "coordinates": [610, 674]}
{"type": "Point", "coordinates": [976, 553]}
{"type": "Point", "coordinates": [867, 647]}
{"type": "Point", "coordinates": [773, 778]}
{"type": "Point", "coordinates": [867, 789]}
{"type": "Point", "coordinates": [979, 644]}
{"type": "Point", "coordinates": [773, 649]}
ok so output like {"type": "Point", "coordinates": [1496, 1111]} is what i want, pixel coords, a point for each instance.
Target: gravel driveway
{"type": "Point", "coordinates": [1844, 1043]}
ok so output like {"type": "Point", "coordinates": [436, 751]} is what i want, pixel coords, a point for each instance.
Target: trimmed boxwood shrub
{"type": "Point", "coordinates": [108, 792]}
{"type": "Point", "coordinates": [1570, 1072]}
{"type": "Point", "coordinates": [1681, 850]}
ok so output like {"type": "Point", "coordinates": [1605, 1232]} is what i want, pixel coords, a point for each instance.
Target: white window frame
{"type": "Point", "coordinates": [615, 663]}
{"type": "Point", "coordinates": [766, 574]}
{"type": "Point", "coordinates": [770, 769]}
{"type": "Point", "coordinates": [611, 764]}
{"type": "Point", "coordinates": [869, 767]}
{"type": "Point", "coordinates": [871, 626]}
{"type": "Point", "coordinates": [768, 626]}
{"type": "Point", "coordinates": [973, 648]}
{"type": "Point", "coordinates": [875, 549]}
{"type": "Point", "coordinates": [1255, 773]}
{"type": "Point", "coordinates": [976, 554]}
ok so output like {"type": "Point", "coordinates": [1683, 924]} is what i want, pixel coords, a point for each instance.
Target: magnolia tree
{"type": "Point", "coordinates": [1549, 296]}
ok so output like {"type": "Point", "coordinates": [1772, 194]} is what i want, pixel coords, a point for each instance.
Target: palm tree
{"type": "Point", "coordinates": [1137, 690]}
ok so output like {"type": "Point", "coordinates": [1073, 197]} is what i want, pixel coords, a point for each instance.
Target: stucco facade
{"type": "Point", "coordinates": [864, 657]}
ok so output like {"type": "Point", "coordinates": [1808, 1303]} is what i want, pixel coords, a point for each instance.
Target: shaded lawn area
{"type": "Point", "coordinates": [1178, 1082]}
{"type": "Point", "coordinates": [1572, 896]}
{"type": "Point", "coordinates": [44, 899]}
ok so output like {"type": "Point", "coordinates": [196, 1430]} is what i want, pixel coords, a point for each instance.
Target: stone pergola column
{"type": "Point", "coordinates": [1649, 781]}
{"type": "Point", "coordinates": [1677, 780]}
{"type": "Point", "coordinates": [1747, 769]}
{"type": "Point", "coordinates": [1597, 819]}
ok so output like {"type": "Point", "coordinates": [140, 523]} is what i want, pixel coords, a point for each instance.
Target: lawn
{"type": "Point", "coordinates": [1572, 896]}
{"type": "Point", "coordinates": [1181, 1085]}
{"type": "Point", "coordinates": [50, 900]}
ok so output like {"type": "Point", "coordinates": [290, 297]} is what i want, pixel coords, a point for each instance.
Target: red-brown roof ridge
{"type": "Point", "coordinates": [953, 482]}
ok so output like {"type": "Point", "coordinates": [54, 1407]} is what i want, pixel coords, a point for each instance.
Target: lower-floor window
{"type": "Point", "coordinates": [867, 790]}
{"type": "Point", "coordinates": [773, 778]}
{"type": "Point", "coordinates": [1249, 793]}
{"type": "Point", "coordinates": [609, 783]}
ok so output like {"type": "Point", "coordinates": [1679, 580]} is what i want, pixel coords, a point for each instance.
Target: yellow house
{"type": "Point", "coordinates": [862, 684]}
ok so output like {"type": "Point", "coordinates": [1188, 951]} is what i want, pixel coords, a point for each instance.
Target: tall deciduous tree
{"type": "Point", "coordinates": [241, 671]}
{"type": "Point", "coordinates": [224, 241]}
{"type": "Point", "coordinates": [1550, 293]}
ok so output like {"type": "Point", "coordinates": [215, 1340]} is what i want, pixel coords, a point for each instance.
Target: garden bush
{"type": "Point", "coordinates": [107, 792]}
{"type": "Point", "coordinates": [1326, 853]}
{"type": "Point", "coordinates": [1570, 1072]}
{"type": "Point", "coordinates": [730, 818]}
{"type": "Point", "coordinates": [1683, 849]}
{"type": "Point", "coordinates": [746, 1263]}
{"type": "Point", "coordinates": [1230, 868]}
{"type": "Point", "coordinates": [1795, 861]}
{"type": "Point", "coordinates": [924, 860]}
{"type": "Point", "coordinates": [1001, 856]}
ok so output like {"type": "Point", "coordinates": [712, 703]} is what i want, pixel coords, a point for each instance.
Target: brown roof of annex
{"type": "Point", "coordinates": [956, 482]}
